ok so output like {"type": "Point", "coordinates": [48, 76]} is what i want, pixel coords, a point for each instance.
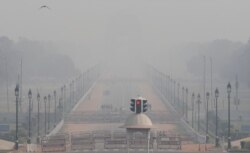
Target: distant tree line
{"type": "Point", "coordinates": [229, 59]}
{"type": "Point", "coordinates": [39, 61]}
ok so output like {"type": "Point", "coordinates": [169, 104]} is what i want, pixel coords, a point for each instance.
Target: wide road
{"type": "Point", "coordinates": [117, 92]}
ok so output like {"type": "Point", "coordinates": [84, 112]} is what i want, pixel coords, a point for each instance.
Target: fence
{"type": "Point", "coordinates": [80, 141]}
{"type": "Point", "coordinates": [53, 144]}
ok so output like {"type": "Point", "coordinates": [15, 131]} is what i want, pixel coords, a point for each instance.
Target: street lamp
{"type": "Point", "coordinates": [178, 94]}
{"type": "Point", "coordinates": [38, 117]}
{"type": "Point", "coordinates": [198, 102]}
{"type": "Point", "coordinates": [45, 123]}
{"type": "Point", "coordinates": [29, 96]}
{"type": "Point", "coordinates": [174, 93]}
{"type": "Point", "coordinates": [55, 108]}
{"type": "Point", "coordinates": [17, 96]}
{"type": "Point", "coordinates": [187, 104]}
{"type": "Point", "coordinates": [193, 110]}
{"type": "Point", "coordinates": [171, 93]}
{"type": "Point", "coordinates": [73, 91]}
{"type": "Point", "coordinates": [64, 93]}
{"type": "Point", "coordinates": [183, 97]}
{"type": "Point", "coordinates": [229, 137]}
{"type": "Point", "coordinates": [207, 98]}
{"type": "Point", "coordinates": [62, 101]}
{"type": "Point", "coordinates": [216, 115]}
{"type": "Point", "coordinates": [49, 97]}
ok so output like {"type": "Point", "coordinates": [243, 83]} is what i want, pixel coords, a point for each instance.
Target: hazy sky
{"type": "Point", "coordinates": [87, 21]}
{"type": "Point", "coordinates": [125, 28]}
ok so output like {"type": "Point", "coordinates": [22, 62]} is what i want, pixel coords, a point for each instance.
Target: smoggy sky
{"type": "Point", "coordinates": [89, 21]}
{"type": "Point", "coordinates": [121, 29]}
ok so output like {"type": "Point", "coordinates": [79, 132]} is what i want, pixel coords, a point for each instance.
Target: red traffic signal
{"type": "Point", "coordinates": [138, 106]}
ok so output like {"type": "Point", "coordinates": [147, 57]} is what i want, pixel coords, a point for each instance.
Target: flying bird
{"type": "Point", "coordinates": [44, 6]}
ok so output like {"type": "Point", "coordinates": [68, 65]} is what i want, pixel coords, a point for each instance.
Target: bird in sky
{"type": "Point", "coordinates": [44, 6]}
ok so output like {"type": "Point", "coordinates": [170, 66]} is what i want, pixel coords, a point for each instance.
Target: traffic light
{"type": "Point", "coordinates": [138, 106]}
{"type": "Point", "coordinates": [144, 105]}
{"type": "Point", "coordinates": [132, 105]}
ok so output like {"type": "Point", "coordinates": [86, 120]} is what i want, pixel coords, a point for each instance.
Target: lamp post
{"type": "Point", "coordinates": [174, 94]}
{"type": "Point", "coordinates": [62, 101]}
{"type": "Point", "coordinates": [45, 122]}
{"type": "Point", "coordinates": [17, 96]}
{"type": "Point", "coordinates": [49, 98]}
{"type": "Point", "coordinates": [38, 117]}
{"type": "Point", "coordinates": [73, 91]}
{"type": "Point", "coordinates": [166, 83]}
{"type": "Point", "coordinates": [64, 93]}
{"type": "Point", "coordinates": [183, 97]}
{"type": "Point", "coordinates": [29, 96]}
{"type": "Point", "coordinates": [193, 110]}
{"type": "Point", "coordinates": [207, 98]}
{"type": "Point", "coordinates": [229, 136]}
{"type": "Point", "coordinates": [178, 94]}
{"type": "Point", "coordinates": [198, 102]}
{"type": "Point", "coordinates": [187, 104]}
{"type": "Point", "coordinates": [216, 116]}
{"type": "Point", "coordinates": [55, 108]}
{"type": "Point", "coordinates": [70, 94]}
{"type": "Point", "coordinates": [171, 92]}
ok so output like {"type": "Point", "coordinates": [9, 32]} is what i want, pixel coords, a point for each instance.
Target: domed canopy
{"type": "Point", "coordinates": [138, 121]}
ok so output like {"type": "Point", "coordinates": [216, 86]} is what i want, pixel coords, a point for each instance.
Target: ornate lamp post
{"type": "Point", "coordinates": [171, 91]}
{"type": "Point", "coordinates": [17, 96]}
{"type": "Point", "coordinates": [207, 98]}
{"type": "Point", "coordinates": [64, 93]}
{"type": "Point", "coordinates": [62, 101]}
{"type": "Point", "coordinates": [73, 91]}
{"type": "Point", "coordinates": [216, 115]}
{"type": "Point", "coordinates": [45, 121]}
{"type": "Point", "coordinates": [55, 108]}
{"type": "Point", "coordinates": [183, 99]}
{"type": "Point", "coordinates": [178, 94]}
{"type": "Point", "coordinates": [229, 136]}
{"type": "Point", "coordinates": [29, 96]}
{"type": "Point", "coordinates": [187, 104]}
{"type": "Point", "coordinates": [198, 102]}
{"type": "Point", "coordinates": [193, 110]}
{"type": "Point", "coordinates": [49, 98]}
{"type": "Point", "coordinates": [174, 94]}
{"type": "Point", "coordinates": [38, 117]}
